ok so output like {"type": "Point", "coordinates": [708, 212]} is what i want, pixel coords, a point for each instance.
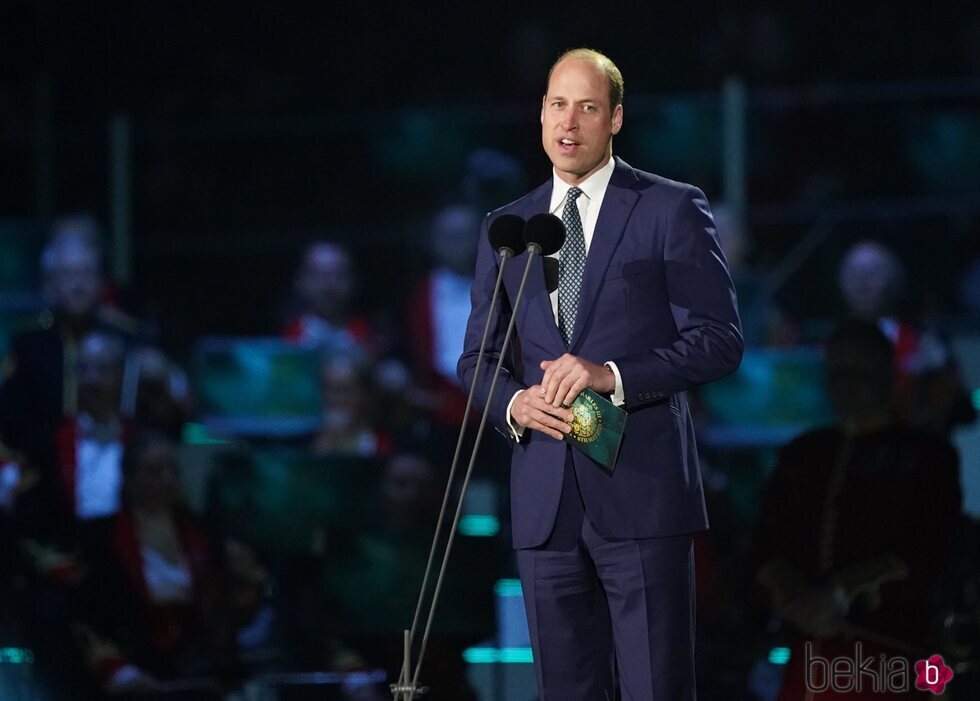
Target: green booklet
{"type": "Point", "coordinates": [597, 429]}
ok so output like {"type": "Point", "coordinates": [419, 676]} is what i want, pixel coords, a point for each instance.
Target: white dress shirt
{"type": "Point", "coordinates": [589, 203]}
{"type": "Point", "coordinates": [450, 308]}
{"type": "Point", "coordinates": [166, 582]}
{"type": "Point", "coordinates": [98, 469]}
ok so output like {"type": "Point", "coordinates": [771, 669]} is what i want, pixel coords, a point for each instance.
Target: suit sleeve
{"type": "Point", "coordinates": [702, 303]}
{"type": "Point", "coordinates": [487, 267]}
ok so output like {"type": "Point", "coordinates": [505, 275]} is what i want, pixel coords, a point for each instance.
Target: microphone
{"type": "Point", "coordinates": [550, 274]}
{"type": "Point", "coordinates": [544, 234]}
{"type": "Point", "coordinates": [507, 235]}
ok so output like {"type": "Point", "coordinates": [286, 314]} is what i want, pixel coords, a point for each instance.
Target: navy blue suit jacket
{"type": "Point", "coordinates": [657, 299]}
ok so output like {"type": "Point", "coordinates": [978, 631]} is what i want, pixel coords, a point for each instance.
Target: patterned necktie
{"type": "Point", "coordinates": [570, 265]}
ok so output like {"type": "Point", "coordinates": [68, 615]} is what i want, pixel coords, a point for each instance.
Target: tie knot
{"type": "Point", "coordinates": [573, 193]}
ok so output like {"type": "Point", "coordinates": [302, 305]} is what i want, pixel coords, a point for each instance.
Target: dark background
{"type": "Point", "coordinates": [258, 126]}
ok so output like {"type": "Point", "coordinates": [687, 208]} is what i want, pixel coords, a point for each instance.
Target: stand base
{"type": "Point", "coordinates": [407, 692]}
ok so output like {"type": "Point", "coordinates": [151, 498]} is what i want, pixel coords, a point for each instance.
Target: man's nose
{"type": "Point", "coordinates": [569, 121]}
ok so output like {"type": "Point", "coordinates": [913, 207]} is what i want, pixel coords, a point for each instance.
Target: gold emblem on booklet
{"type": "Point", "coordinates": [597, 429]}
{"type": "Point", "coordinates": [587, 424]}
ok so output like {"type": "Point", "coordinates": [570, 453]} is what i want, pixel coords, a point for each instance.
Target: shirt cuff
{"type": "Point", "coordinates": [619, 395]}
{"type": "Point", "coordinates": [516, 432]}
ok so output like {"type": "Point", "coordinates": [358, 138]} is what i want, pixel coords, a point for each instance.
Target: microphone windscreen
{"type": "Point", "coordinates": [546, 231]}
{"type": "Point", "coordinates": [550, 273]}
{"type": "Point", "coordinates": [507, 231]}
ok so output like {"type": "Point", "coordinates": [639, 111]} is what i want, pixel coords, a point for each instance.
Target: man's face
{"type": "Point", "coordinates": [454, 239]}
{"type": "Point", "coordinates": [409, 490]}
{"type": "Point", "coordinates": [868, 281]}
{"type": "Point", "coordinates": [99, 376]}
{"type": "Point", "coordinates": [577, 122]}
{"type": "Point", "coordinates": [74, 285]}
{"type": "Point", "coordinates": [155, 479]}
{"type": "Point", "coordinates": [326, 280]}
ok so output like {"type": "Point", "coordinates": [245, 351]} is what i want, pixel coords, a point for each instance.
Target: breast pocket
{"type": "Point", "coordinates": [629, 269]}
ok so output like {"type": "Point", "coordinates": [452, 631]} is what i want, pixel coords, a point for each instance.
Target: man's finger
{"type": "Point", "coordinates": [544, 422]}
{"type": "Point", "coordinates": [549, 418]}
{"type": "Point", "coordinates": [554, 383]}
{"type": "Point", "coordinates": [554, 370]}
{"type": "Point", "coordinates": [565, 388]}
{"type": "Point", "coordinates": [575, 390]}
{"type": "Point", "coordinates": [561, 413]}
{"type": "Point", "coordinates": [548, 432]}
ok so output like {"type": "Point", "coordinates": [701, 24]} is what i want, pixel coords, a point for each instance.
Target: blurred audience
{"type": "Point", "coordinates": [90, 444]}
{"type": "Point", "coordinates": [929, 390]}
{"type": "Point", "coordinates": [491, 178]}
{"type": "Point", "coordinates": [859, 520]}
{"type": "Point", "coordinates": [156, 392]}
{"type": "Point", "coordinates": [349, 425]}
{"type": "Point", "coordinates": [374, 576]}
{"type": "Point", "coordinates": [40, 381]}
{"type": "Point", "coordinates": [164, 600]}
{"type": "Point", "coordinates": [764, 322]}
{"type": "Point", "coordinates": [438, 309]}
{"type": "Point", "coordinates": [324, 286]}
{"type": "Point", "coordinates": [970, 289]}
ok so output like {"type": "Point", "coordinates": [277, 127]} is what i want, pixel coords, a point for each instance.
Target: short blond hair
{"type": "Point", "coordinates": [603, 63]}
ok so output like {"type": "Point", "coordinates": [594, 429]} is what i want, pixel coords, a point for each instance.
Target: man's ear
{"type": "Point", "coordinates": [617, 119]}
{"type": "Point", "coordinates": [543, 98]}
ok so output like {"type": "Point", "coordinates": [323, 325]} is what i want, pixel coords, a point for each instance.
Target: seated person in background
{"type": "Point", "coordinates": [161, 399]}
{"type": "Point", "coordinates": [929, 392]}
{"type": "Point", "coordinates": [38, 387]}
{"type": "Point", "coordinates": [162, 601]}
{"type": "Point", "coordinates": [90, 445]}
{"type": "Point", "coordinates": [438, 310]}
{"type": "Point", "coordinates": [86, 478]}
{"type": "Point", "coordinates": [858, 521]}
{"type": "Point", "coordinates": [349, 425]}
{"type": "Point", "coordinates": [324, 286]}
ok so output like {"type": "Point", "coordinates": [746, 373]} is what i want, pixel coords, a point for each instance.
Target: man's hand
{"type": "Point", "coordinates": [565, 377]}
{"type": "Point", "coordinates": [530, 410]}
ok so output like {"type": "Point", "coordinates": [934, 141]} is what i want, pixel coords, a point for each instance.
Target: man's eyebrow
{"type": "Point", "coordinates": [552, 98]}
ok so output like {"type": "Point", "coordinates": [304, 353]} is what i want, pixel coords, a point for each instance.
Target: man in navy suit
{"type": "Point", "coordinates": [644, 311]}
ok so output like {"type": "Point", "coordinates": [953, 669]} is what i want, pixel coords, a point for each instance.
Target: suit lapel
{"type": "Point", "coordinates": [617, 205]}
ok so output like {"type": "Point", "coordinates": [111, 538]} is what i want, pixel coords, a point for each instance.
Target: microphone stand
{"type": "Point", "coordinates": [402, 689]}
{"type": "Point", "coordinates": [408, 690]}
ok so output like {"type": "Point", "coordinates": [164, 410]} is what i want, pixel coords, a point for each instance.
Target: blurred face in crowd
{"type": "Point", "coordinates": [325, 281]}
{"type": "Point", "coordinates": [859, 380]}
{"type": "Point", "coordinates": [577, 120]}
{"type": "Point", "coordinates": [455, 235]}
{"type": "Point", "coordinates": [871, 280]}
{"type": "Point", "coordinates": [409, 491]}
{"type": "Point", "coordinates": [154, 481]}
{"type": "Point", "coordinates": [100, 368]}
{"type": "Point", "coordinates": [159, 402]}
{"type": "Point", "coordinates": [73, 280]}
{"type": "Point", "coordinates": [345, 393]}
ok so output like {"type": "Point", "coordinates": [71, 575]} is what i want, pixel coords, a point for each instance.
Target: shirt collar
{"type": "Point", "coordinates": [592, 187]}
